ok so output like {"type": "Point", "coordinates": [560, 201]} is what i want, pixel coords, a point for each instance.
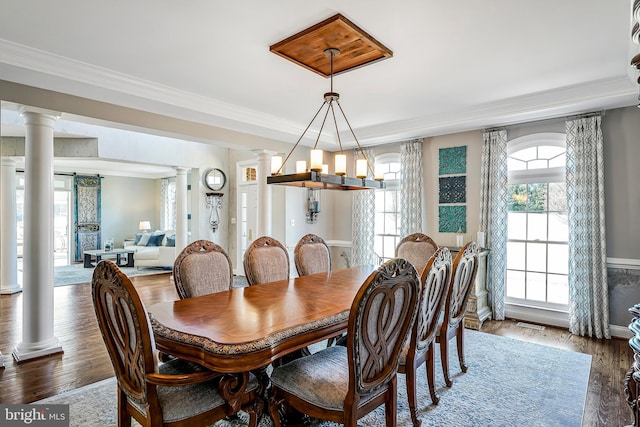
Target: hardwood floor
{"type": "Point", "coordinates": [85, 358]}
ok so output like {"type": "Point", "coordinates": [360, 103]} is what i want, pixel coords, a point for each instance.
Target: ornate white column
{"type": "Point", "coordinates": [37, 294]}
{"type": "Point", "coordinates": [264, 193]}
{"type": "Point", "coordinates": [182, 228]}
{"type": "Point", "coordinates": [8, 229]}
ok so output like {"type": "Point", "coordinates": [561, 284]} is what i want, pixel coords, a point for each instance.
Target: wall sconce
{"type": "Point", "coordinates": [214, 202]}
{"type": "Point", "coordinates": [313, 205]}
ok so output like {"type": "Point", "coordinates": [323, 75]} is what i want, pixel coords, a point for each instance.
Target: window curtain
{"type": "Point", "coordinates": [168, 212]}
{"type": "Point", "coordinates": [411, 187]}
{"type": "Point", "coordinates": [363, 219]}
{"type": "Point", "coordinates": [588, 293]}
{"type": "Point", "coordinates": [493, 215]}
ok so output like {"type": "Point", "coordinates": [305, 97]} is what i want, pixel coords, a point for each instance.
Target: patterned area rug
{"type": "Point", "coordinates": [76, 273]}
{"type": "Point", "coordinates": [509, 383]}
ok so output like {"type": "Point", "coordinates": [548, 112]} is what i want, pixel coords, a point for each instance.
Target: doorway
{"type": "Point", "coordinates": [247, 209]}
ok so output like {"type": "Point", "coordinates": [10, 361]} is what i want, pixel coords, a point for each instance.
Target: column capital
{"type": "Point", "coordinates": [39, 116]}
{"type": "Point", "coordinates": [181, 170]}
{"type": "Point", "coordinates": [263, 154]}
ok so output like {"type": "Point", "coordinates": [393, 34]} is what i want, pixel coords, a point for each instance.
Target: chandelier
{"type": "Point", "coordinates": [316, 173]}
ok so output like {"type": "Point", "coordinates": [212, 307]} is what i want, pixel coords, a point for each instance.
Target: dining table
{"type": "Point", "coordinates": [245, 329]}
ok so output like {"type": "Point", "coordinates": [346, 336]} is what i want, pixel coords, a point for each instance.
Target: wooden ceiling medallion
{"type": "Point", "coordinates": [307, 48]}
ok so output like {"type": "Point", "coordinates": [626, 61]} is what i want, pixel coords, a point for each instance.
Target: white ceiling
{"type": "Point", "coordinates": [456, 66]}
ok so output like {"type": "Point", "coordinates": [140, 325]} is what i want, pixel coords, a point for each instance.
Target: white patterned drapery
{"type": "Point", "coordinates": [588, 290]}
{"type": "Point", "coordinates": [363, 219]}
{"type": "Point", "coordinates": [411, 187]}
{"type": "Point", "coordinates": [168, 197]}
{"type": "Point", "coordinates": [493, 215]}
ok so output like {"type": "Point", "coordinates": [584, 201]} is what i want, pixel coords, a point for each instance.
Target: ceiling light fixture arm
{"type": "Point", "coordinates": [300, 139]}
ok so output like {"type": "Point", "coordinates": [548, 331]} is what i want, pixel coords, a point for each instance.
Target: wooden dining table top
{"type": "Point", "coordinates": [247, 328]}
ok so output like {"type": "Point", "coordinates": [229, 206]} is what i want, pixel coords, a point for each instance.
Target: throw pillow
{"type": "Point", "coordinates": [144, 239]}
{"type": "Point", "coordinates": [137, 239]}
{"type": "Point", "coordinates": [171, 241]}
{"type": "Point", "coordinates": [155, 239]}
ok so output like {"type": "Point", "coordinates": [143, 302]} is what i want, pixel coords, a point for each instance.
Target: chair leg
{"type": "Point", "coordinates": [431, 378]}
{"type": "Point", "coordinates": [460, 343]}
{"type": "Point", "coordinates": [274, 411]}
{"type": "Point", "coordinates": [124, 418]}
{"type": "Point", "coordinates": [410, 377]}
{"type": "Point", "coordinates": [444, 357]}
{"type": "Point", "coordinates": [391, 405]}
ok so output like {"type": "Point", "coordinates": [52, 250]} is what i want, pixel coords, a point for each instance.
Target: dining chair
{"type": "Point", "coordinates": [175, 393]}
{"type": "Point", "coordinates": [202, 268]}
{"type": "Point", "coordinates": [421, 345]}
{"type": "Point", "coordinates": [463, 275]}
{"type": "Point", "coordinates": [417, 248]}
{"type": "Point", "coordinates": [266, 260]}
{"type": "Point", "coordinates": [342, 384]}
{"type": "Point", "coordinates": [311, 255]}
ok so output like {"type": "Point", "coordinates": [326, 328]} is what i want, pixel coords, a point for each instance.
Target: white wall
{"type": "Point", "coordinates": [126, 202]}
{"type": "Point", "coordinates": [430, 150]}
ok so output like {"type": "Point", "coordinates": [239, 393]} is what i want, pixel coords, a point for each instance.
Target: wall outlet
{"type": "Point", "coordinates": [233, 220]}
{"type": "Point", "coordinates": [292, 222]}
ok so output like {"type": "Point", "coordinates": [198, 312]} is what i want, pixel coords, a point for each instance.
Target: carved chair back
{"type": "Point", "coordinates": [311, 255]}
{"type": "Point", "coordinates": [416, 248]}
{"type": "Point", "coordinates": [465, 267]}
{"type": "Point", "coordinates": [202, 268]}
{"type": "Point", "coordinates": [266, 260]}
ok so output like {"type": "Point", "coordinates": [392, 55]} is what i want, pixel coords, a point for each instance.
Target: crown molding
{"type": "Point", "coordinates": [145, 95]}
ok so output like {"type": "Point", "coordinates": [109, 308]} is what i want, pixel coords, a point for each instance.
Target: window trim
{"type": "Point", "coordinates": [533, 176]}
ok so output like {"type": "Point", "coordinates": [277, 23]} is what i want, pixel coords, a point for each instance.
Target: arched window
{"type": "Point", "coordinates": [387, 220]}
{"type": "Point", "coordinates": [537, 247]}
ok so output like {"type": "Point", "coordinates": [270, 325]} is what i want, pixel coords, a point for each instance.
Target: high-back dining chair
{"type": "Point", "coordinates": [266, 260]}
{"type": "Point", "coordinates": [463, 276]}
{"type": "Point", "coordinates": [311, 255]}
{"type": "Point", "coordinates": [342, 384]}
{"type": "Point", "coordinates": [202, 268]}
{"type": "Point", "coordinates": [416, 248]}
{"type": "Point", "coordinates": [421, 346]}
{"type": "Point", "coordinates": [176, 393]}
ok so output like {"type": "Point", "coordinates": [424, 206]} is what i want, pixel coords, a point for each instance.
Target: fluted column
{"type": "Point", "coordinates": [8, 229]}
{"type": "Point", "coordinates": [264, 193]}
{"type": "Point", "coordinates": [37, 299]}
{"type": "Point", "coordinates": [182, 229]}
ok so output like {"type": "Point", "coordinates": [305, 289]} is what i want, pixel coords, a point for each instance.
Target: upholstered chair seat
{"type": "Point", "coordinates": [342, 384]}
{"type": "Point", "coordinates": [266, 260]}
{"type": "Point", "coordinates": [181, 403]}
{"type": "Point", "coordinates": [416, 248]}
{"type": "Point", "coordinates": [321, 379]}
{"type": "Point", "coordinates": [202, 268]}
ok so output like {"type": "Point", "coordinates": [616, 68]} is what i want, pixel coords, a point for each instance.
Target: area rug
{"type": "Point", "coordinates": [76, 273]}
{"type": "Point", "coordinates": [509, 383]}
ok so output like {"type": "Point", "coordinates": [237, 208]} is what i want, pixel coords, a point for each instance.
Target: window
{"type": "Point", "coordinates": [387, 220]}
{"type": "Point", "coordinates": [537, 246]}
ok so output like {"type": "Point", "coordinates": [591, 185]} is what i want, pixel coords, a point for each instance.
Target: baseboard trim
{"type": "Point", "coordinates": [554, 318]}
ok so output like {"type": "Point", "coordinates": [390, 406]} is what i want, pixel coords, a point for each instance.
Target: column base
{"type": "Point", "coordinates": [10, 289]}
{"type": "Point", "coordinates": [23, 352]}
{"type": "Point", "coordinates": [1, 361]}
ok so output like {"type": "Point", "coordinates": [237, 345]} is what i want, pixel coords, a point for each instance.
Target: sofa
{"type": "Point", "coordinates": [156, 249]}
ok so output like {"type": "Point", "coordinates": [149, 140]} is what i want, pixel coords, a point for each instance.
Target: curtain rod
{"type": "Point", "coordinates": [572, 117]}
{"type": "Point", "coordinates": [66, 174]}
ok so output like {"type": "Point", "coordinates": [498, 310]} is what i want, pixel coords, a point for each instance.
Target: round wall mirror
{"type": "Point", "coordinates": [214, 179]}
